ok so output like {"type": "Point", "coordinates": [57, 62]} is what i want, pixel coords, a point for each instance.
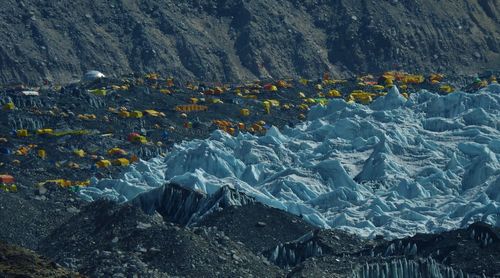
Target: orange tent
{"type": "Point", "coordinates": [191, 108]}
{"type": "Point", "coordinates": [6, 179]}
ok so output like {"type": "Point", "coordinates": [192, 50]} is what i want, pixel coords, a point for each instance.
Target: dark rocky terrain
{"type": "Point", "coordinates": [19, 262]}
{"type": "Point", "coordinates": [106, 239]}
{"type": "Point", "coordinates": [109, 240]}
{"type": "Point", "coordinates": [243, 40]}
{"type": "Point", "coordinates": [259, 227]}
{"type": "Point", "coordinates": [26, 218]}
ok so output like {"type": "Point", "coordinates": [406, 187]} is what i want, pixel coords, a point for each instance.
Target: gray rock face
{"type": "Point", "coordinates": [242, 40]}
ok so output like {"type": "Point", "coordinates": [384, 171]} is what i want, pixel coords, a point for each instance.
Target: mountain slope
{"type": "Point", "coordinates": [19, 262]}
{"type": "Point", "coordinates": [238, 40]}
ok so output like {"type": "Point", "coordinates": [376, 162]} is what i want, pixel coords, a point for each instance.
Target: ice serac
{"type": "Point", "coordinates": [388, 168]}
{"type": "Point", "coordinates": [294, 252]}
{"type": "Point", "coordinates": [175, 203]}
{"type": "Point", "coordinates": [403, 268]}
{"type": "Point", "coordinates": [392, 100]}
{"type": "Point", "coordinates": [186, 206]}
{"type": "Point", "coordinates": [223, 198]}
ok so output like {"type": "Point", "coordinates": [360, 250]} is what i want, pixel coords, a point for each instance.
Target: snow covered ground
{"type": "Point", "coordinates": [395, 167]}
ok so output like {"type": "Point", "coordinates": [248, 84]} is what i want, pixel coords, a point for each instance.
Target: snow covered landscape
{"type": "Point", "coordinates": [395, 167]}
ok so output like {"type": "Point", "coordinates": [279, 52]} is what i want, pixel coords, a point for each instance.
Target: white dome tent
{"type": "Point", "coordinates": [93, 75]}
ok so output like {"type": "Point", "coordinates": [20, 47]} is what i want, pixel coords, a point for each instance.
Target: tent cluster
{"type": "Point", "coordinates": [64, 183]}
{"type": "Point", "coordinates": [49, 132]}
{"type": "Point", "coordinates": [100, 125]}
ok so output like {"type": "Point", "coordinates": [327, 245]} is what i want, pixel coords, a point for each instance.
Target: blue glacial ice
{"type": "Point", "coordinates": [395, 167]}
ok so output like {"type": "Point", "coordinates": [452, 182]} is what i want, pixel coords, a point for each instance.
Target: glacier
{"type": "Point", "coordinates": [395, 167]}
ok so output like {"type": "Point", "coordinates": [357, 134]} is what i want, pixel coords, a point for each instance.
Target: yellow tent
{"type": "Point", "coordinates": [334, 93]}
{"type": "Point", "coordinates": [446, 89]}
{"type": "Point", "coordinates": [59, 182]}
{"type": "Point", "coordinates": [117, 151]}
{"type": "Point", "coordinates": [22, 133]}
{"type": "Point", "coordinates": [9, 106]}
{"type": "Point", "coordinates": [361, 96]}
{"type": "Point", "coordinates": [124, 114]}
{"type": "Point", "coordinates": [44, 131]}
{"type": "Point", "coordinates": [152, 113]}
{"type": "Point", "coordinates": [42, 154]}
{"type": "Point", "coordinates": [103, 163]}
{"type": "Point", "coordinates": [121, 162]}
{"type": "Point", "coordinates": [86, 117]}
{"type": "Point", "coordinates": [274, 102]}
{"type": "Point", "coordinates": [79, 153]}
{"type": "Point", "coordinates": [136, 114]}
{"type": "Point", "coordinates": [165, 91]}
{"type": "Point", "coordinates": [245, 112]}
{"type": "Point", "coordinates": [267, 106]}
{"type": "Point", "coordinates": [304, 107]}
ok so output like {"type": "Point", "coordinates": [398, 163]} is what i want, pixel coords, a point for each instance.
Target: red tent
{"type": "Point", "coordinates": [133, 135]}
{"type": "Point", "coordinates": [6, 179]}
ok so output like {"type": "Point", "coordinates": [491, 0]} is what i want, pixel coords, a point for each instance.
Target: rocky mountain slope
{"type": "Point", "coordinates": [19, 262]}
{"type": "Point", "coordinates": [106, 240]}
{"type": "Point", "coordinates": [239, 40]}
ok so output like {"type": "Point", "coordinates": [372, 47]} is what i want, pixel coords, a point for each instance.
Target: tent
{"type": "Point", "coordinates": [6, 179]}
{"type": "Point", "coordinates": [93, 75]}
